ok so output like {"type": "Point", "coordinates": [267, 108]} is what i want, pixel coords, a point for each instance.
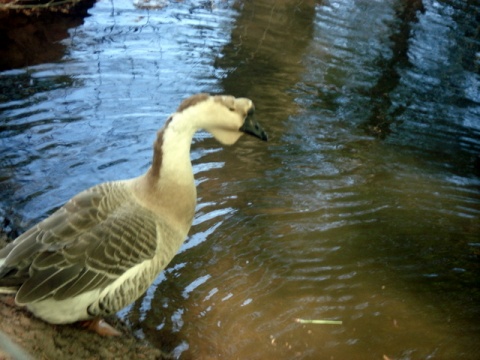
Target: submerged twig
{"type": "Point", "coordinates": [320, 322]}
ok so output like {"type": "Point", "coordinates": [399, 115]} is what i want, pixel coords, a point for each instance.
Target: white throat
{"type": "Point", "coordinates": [177, 139]}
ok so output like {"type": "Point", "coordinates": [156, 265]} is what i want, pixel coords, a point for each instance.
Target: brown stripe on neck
{"type": "Point", "coordinates": [154, 171]}
{"type": "Point", "coordinates": [192, 100]}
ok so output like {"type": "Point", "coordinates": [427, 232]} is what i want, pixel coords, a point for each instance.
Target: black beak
{"type": "Point", "coordinates": [252, 127]}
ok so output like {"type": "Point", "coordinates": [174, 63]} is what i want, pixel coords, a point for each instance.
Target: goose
{"type": "Point", "coordinates": [103, 249]}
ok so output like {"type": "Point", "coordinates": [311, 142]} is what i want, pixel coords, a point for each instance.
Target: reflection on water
{"type": "Point", "coordinates": [32, 34]}
{"type": "Point", "coordinates": [364, 207]}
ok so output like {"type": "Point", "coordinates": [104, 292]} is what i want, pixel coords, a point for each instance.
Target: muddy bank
{"type": "Point", "coordinates": [32, 32]}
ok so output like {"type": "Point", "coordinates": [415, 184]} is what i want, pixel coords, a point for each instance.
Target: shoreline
{"type": "Point", "coordinates": [41, 340]}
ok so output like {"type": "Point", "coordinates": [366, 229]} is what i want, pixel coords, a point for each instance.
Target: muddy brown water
{"type": "Point", "coordinates": [364, 207]}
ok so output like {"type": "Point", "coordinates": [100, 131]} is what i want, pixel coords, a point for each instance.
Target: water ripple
{"type": "Point", "coordinates": [363, 207]}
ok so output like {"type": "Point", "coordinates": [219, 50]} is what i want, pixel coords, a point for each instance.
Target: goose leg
{"type": "Point", "coordinates": [101, 327]}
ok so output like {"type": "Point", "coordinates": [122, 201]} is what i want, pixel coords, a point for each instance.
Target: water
{"type": "Point", "coordinates": [364, 207]}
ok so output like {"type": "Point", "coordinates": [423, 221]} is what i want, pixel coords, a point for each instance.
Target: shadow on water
{"type": "Point", "coordinates": [30, 37]}
{"type": "Point", "coordinates": [380, 119]}
{"type": "Point", "coordinates": [264, 56]}
{"type": "Point", "coordinates": [426, 66]}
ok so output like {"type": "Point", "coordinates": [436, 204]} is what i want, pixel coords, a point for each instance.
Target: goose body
{"type": "Point", "coordinates": [106, 245]}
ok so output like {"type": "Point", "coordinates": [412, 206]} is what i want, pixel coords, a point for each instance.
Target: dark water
{"type": "Point", "coordinates": [364, 207]}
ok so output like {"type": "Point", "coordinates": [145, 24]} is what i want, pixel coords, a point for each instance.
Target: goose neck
{"type": "Point", "coordinates": [171, 157]}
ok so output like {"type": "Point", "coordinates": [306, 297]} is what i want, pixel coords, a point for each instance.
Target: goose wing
{"type": "Point", "coordinates": [87, 244]}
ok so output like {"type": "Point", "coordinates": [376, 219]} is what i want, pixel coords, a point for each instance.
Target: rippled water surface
{"type": "Point", "coordinates": [364, 207]}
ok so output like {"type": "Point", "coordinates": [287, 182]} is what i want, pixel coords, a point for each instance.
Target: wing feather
{"type": "Point", "coordinates": [46, 282]}
{"type": "Point", "coordinates": [85, 280]}
{"type": "Point", "coordinates": [85, 245]}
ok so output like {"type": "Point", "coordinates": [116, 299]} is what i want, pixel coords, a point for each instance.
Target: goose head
{"type": "Point", "coordinates": [224, 116]}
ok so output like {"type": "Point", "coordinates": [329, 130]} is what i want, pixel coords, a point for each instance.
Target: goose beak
{"type": "Point", "coordinates": [252, 127]}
